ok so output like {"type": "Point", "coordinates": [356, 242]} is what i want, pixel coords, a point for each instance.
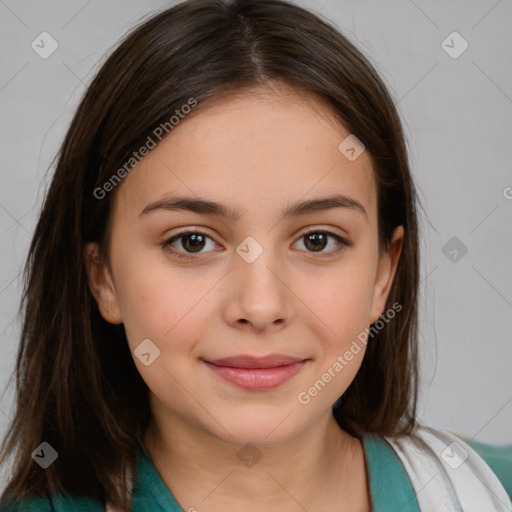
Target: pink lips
{"type": "Point", "coordinates": [257, 373]}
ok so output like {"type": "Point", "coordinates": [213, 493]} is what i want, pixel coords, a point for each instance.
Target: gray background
{"type": "Point", "coordinates": [457, 114]}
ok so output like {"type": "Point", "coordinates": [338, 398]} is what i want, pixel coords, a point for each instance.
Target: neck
{"type": "Point", "coordinates": [205, 472]}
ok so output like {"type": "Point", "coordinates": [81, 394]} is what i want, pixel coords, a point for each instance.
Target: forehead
{"type": "Point", "coordinates": [253, 151]}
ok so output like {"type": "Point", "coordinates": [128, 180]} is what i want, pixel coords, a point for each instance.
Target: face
{"type": "Point", "coordinates": [282, 289]}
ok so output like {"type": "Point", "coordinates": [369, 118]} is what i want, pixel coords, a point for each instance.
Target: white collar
{"type": "Point", "coordinates": [447, 474]}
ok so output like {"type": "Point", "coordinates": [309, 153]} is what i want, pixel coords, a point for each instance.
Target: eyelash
{"type": "Point", "coordinates": [343, 242]}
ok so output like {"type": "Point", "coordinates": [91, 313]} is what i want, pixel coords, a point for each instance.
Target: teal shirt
{"type": "Point", "coordinates": [390, 487]}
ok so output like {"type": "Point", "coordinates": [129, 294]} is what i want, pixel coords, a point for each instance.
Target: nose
{"type": "Point", "coordinates": [258, 294]}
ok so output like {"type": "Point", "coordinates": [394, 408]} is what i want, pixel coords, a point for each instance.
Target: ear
{"type": "Point", "coordinates": [388, 262]}
{"type": "Point", "coordinates": [101, 284]}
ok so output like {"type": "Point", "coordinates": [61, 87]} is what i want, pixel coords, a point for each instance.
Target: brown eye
{"type": "Point", "coordinates": [316, 241]}
{"type": "Point", "coordinates": [193, 242]}
{"type": "Point", "coordinates": [188, 243]}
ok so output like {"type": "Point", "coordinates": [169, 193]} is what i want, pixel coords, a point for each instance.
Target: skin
{"type": "Point", "coordinates": [256, 153]}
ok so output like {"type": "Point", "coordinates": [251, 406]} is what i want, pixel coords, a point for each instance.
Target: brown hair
{"type": "Point", "coordinates": [77, 386]}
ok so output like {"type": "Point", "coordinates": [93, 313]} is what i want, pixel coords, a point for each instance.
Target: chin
{"type": "Point", "coordinates": [263, 428]}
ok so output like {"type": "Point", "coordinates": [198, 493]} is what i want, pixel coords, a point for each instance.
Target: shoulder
{"type": "Point", "coordinates": [54, 503]}
{"type": "Point", "coordinates": [498, 458]}
{"type": "Point", "coordinates": [448, 468]}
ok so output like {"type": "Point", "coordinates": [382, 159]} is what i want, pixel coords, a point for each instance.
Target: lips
{"type": "Point", "coordinates": [256, 373]}
{"type": "Point", "coordinates": [246, 361]}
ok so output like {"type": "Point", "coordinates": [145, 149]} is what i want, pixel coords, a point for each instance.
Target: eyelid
{"type": "Point", "coordinates": [343, 241]}
{"type": "Point", "coordinates": [323, 229]}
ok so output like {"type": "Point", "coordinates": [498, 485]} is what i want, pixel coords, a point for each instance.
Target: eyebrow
{"type": "Point", "coordinates": [207, 207]}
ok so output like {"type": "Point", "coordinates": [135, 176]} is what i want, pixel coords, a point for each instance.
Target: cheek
{"type": "Point", "coordinates": [343, 352]}
{"type": "Point", "coordinates": [342, 304]}
{"type": "Point", "coordinates": [342, 298]}
{"type": "Point", "coordinates": [162, 303]}
{"type": "Point", "coordinates": [169, 308]}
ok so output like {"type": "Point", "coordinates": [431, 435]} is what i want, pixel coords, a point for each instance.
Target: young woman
{"type": "Point", "coordinates": [220, 311]}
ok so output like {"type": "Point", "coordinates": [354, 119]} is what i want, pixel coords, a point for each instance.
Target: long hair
{"type": "Point", "coordinates": [77, 387]}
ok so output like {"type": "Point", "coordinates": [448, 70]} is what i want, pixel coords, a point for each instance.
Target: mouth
{"type": "Point", "coordinates": [256, 373]}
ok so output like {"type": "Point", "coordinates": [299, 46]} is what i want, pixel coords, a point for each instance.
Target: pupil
{"type": "Point", "coordinates": [317, 239]}
{"type": "Point", "coordinates": [196, 242]}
